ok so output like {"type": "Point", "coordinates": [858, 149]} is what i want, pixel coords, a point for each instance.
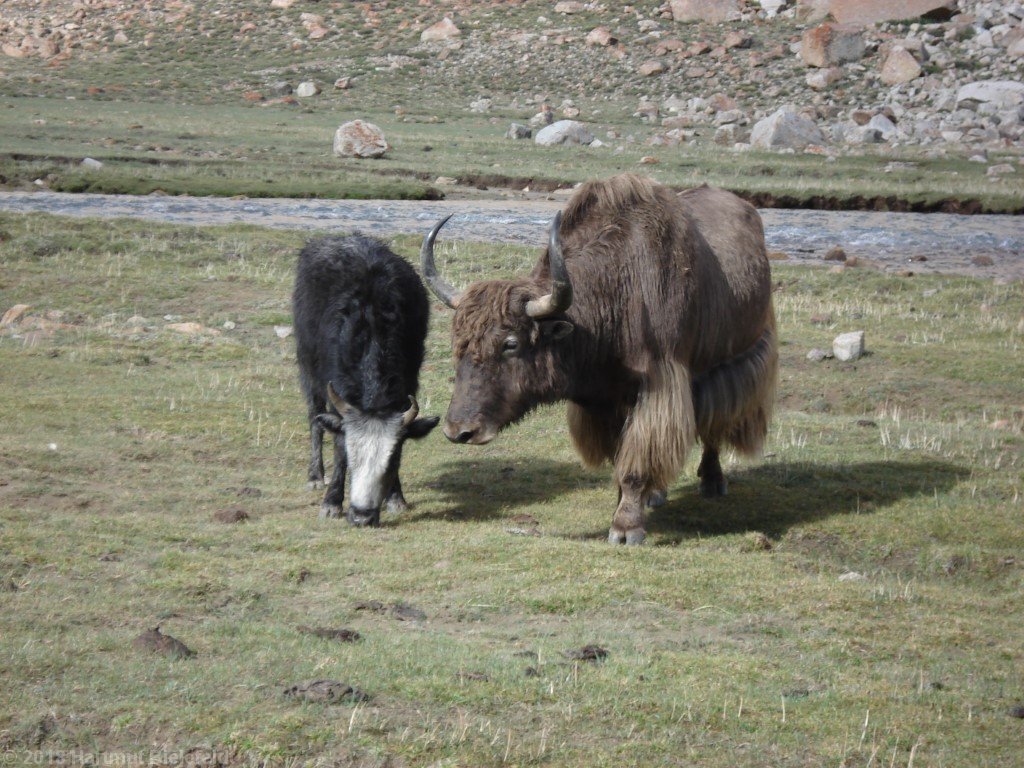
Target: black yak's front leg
{"type": "Point", "coordinates": [316, 455]}
{"type": "Point", "coordinates": [395, 501]}
{"type": "Point", "coordinates": [333, 503]}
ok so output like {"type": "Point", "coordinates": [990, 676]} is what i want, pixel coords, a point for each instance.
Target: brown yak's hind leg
{"type": "Point", "coordinates": [712, 480]}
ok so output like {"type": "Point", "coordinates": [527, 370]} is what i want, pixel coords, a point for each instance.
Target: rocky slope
{"type": "Point", "coordinates": [776, 73]}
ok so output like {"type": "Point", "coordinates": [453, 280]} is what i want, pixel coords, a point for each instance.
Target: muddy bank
{"type": "Point", "coordinates": [980, 245]}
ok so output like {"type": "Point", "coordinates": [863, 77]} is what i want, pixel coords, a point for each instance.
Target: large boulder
{"type": "Point", "coordinates": [899, 67]}
{"type": "Point", "coordinates": [714, 11]}
{"type": "Point", "coordinates": [830, 44]}
{"type": "Point", "coordinates": [564, 132]}
{"type": "Point", "coordinates": [1001, 94]}
{"type": "Point", "coordinates": [874, 11]}
{"type": "Point", "coordinates": [786, 129]}
{"type": "Point", "coordinates": [359, 138]}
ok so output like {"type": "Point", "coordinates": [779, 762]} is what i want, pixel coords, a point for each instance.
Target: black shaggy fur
{"type": "Point", "coordinates": [360, 315]}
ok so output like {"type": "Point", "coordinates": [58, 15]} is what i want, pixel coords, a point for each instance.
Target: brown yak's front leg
{"type": "Point", "coordinates": [628, 520]}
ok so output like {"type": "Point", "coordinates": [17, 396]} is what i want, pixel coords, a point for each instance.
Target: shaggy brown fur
{"type": "Point", "coordinates": [672, 338]}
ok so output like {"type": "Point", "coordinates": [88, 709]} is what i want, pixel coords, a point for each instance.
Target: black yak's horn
{"type": "Point", "coordinates": [445, 292]}
{"type": "Point", "coordinates": [560, 298]}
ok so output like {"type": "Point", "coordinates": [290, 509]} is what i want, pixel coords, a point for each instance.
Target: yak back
{"type": "Point", "coordinates": [660, 275]}
{"type": "Point", "coordinates": [360, 316]}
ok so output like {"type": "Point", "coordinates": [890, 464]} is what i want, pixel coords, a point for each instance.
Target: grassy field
{"type": "Point", "coordinates": [736, 637]}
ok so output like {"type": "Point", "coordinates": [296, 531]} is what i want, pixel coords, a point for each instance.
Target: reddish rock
{"type": "Point", "coordinates": [600, 36]}
{"type": "Point", "coordinates": [737, 40]}
{"type": "Point", "coordinates": [830, 44]}
{"type": "Point", "coordinates": [651, 68]}
{"type": "Point", "coordinates": [442, 30]}
{"type": "Point", "coordinates": [359, 138]}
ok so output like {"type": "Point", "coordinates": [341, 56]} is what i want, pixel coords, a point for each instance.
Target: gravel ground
{"type": "Point", "coordinates": [982, 246]}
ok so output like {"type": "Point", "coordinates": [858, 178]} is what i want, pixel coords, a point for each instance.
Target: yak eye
{"type": "Point", "coordinates": [510, 345]}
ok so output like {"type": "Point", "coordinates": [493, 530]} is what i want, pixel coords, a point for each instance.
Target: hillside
{"type": "Point", "coordinates": [946, 85]}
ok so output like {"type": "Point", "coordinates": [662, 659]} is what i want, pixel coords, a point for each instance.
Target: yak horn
{"type": "Point", "coordinates": [410, 415]}
{"type": "Point", "coordinates": [339, 404]}
{"type": "Point", "coordinates": [560, 298]}
{"type": "Point", "coordinates": [445, 292]}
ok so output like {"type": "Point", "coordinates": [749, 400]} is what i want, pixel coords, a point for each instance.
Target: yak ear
{"type": "Point", "coordinates": [555, 330]}
{"type": "Point", "coordinates": [331, 422]}
{"type": "Point", "coordinates": [421, 427]}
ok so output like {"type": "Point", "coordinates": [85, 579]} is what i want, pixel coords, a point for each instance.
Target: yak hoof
{"type": "Point", "coordinates": [657, 499]}
{"type": "Point", "coordinates": [330, 511]}
{"type": "Point", "coordinates": [315, 484]}
{"type": "Point", "coordinates": [632, 537]}
{"type": "Point", "coordinates": [713, 487]}
{"type": "Point", "coordinates": [395, 506]}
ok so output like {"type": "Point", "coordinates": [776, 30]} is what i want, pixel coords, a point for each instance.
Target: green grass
{"type": "Point", "coordinates": [122, 438]}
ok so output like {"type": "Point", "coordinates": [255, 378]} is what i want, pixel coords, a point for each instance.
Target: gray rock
{"type": "Point", "coordinates": [885, 127]}
{"type": "Point", "coordinates": [564, 132]}
{"type": "Point", "coordinates": [519, 131]}
{"type": "Point", "coordinates": [817, 355]}
{"type": "Point", "coordinates": [307, 89]}
{"type": "Point", "coordinates": [848, 346]}
{"type": "Point", "coordinates": [1003, 94]}
{"type": "Point", "coordinates": [92, 163]}
{"type": "Point", "coordinates": [786, 129]}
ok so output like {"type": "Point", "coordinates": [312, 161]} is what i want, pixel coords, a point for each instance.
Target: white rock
{"type": "Point", "coordinates": [1004, 94]}
{"type": "Point", "coordinates": [283, 331]}
{"type": "Point", "coordinates": [786, 129]}
{"type": "Point", "coordinates": [848, 346]}
{"type": "Point", "coordinates": [92, 163]}
{"type": "Point", "coordinates": [885, 127]}
{"type": "Point", "coordinates": [853, 576]}
{"type": "Point", "coordinates": [359, 138]}
{"type": "Point", "coordinates": [307, 89]}
{"type": "Point", "coordinates": [564, 132]}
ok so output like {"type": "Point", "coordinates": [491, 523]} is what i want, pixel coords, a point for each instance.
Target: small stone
{"type": "Point", "coordinates": [587, 653]}
{"type": "Point", "coordinates": [325, 692]}
{"type": "Point", "coordinates": [835, 254]}
{"type": "Point", "coordinates": [92, 163]}
{"type": "Point", "coordinates": [1017, 711]}
{"type": "Point", "coordinates": [283, 331]}
{"type": "Point", "coordinates": [154, 641]}
{"type": "Point", "coordinates": [12, 315]}
{"type": "Point", "coordinates": [359, 138]}
{"type": "Point", "coordinates": [306, 89]}
{"type": "Point", "coordinates": [442, 30]}
{"type": "Point", "coordinates": [983, 261]}
{"type": "Point", "coordinates": [853, 576]}
{"type": "Point", "coordinates": [848, 346]}
{"type": "Point", "coordinates": [519, 131]}
{"type": "Point", "coordinates": [818, 355]}
{"type": "Point", "coordinates": [821, 319]}
{"type": "Point", "coordinates": [651, 68]}
{"type": "Point", "coordinates": [231, 516]}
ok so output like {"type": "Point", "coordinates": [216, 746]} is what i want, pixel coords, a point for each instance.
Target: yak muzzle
{"type": "Point", "coordinates": [363, 517]}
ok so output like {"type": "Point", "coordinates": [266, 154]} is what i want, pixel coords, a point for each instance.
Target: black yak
{"type": "Point", "coordinates": [360, 322]}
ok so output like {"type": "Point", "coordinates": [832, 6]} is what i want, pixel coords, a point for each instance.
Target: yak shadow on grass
{"type": "Point", "coordinates": [771, 498]}
{"type": "Point", "coordinates": [486, 488]}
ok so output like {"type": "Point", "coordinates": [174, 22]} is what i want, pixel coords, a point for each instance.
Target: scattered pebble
{"type": "Point", "coordinates": [283, 331]}
{"type": "Point", "coordinates": [817, 355]}
{"type": "Point", "coordinates": [330, 633]}
{"type": "Point", "coordinates": [587, 653]}
{"type": "Point", "coordinates": [325, 692]}
{"type": "Point", "coordinates": [853, 576]}
{"type": "Point", "coordinates": [231, 516]}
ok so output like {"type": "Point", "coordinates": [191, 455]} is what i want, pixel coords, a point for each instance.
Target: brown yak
{"type": "Point", "coordinates": [650, 312]}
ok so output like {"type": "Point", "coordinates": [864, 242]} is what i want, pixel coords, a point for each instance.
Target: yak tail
{"type": "Point", "coordinates": [733, 401]}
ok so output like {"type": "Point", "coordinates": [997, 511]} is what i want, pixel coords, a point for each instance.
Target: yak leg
{"type": "Point", "coordinates": [331, 506]}
{"type": "Point", "coordinates": [712, 481]}
{"type": "Point", "coordinates": [395, 501]}
{"type": "Point", "coordinates": [316, 444]}
{"type": "Point", "coordinates": [628, 520]}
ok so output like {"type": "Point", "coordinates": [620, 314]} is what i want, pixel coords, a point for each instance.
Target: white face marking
{"type": "Point", "coordinates": [370, 443]}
